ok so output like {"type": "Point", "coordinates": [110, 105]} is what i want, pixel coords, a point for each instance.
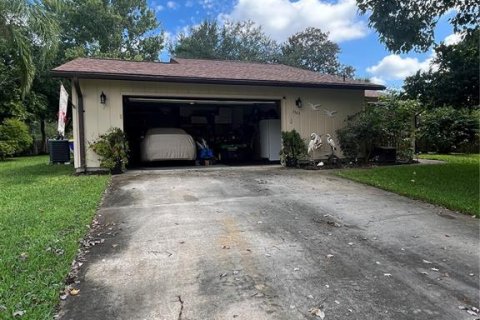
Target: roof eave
{"type": "Point", "coordinates": [115, 76]}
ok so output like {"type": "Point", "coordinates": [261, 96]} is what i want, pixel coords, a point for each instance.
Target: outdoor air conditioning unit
{"type": "Point", "coordinates": [59, 151]}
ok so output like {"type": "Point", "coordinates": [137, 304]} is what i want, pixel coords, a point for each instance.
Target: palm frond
{"type": "Point", "coordinates": [30, 31]}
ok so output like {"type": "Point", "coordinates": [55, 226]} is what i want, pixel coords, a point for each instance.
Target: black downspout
{"type": "Point", "coordinates": [81, 125]}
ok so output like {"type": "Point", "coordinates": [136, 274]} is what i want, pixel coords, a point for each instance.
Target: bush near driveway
{"type": "Point", "coordinates": [388, 123]}
{"type": "Point", "coordinates": [454, 184]}
{"type": "Point", "coordinates": [44, 211]}
{"type": "Point", "coordinates": [447, 129]}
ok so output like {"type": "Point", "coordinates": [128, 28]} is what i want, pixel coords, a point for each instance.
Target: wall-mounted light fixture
{"type": "Point", "coordinates": [103, 98]}
{"type": "Point", "coordinates": [299, 103]}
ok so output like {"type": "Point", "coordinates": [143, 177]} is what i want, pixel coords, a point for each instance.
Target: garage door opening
{"type": "Point", "coordinates": [167, 131]}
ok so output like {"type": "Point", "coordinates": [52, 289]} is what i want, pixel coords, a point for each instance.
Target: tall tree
{"type": "Point", "coordinates": [454, 81]}
{"type": "Point", "coordinates": [201, 42]}
{"type": "Point", "coordinates": [311, 50]}
{"type": "Point", "coordinates": [10, 95]}
{"type": "Point", "coordinates": [244, 41]}
{"type": "Point", "coordinates": [29, 35]}
{"type": "Point", "coordinates": [241, 41]}
{"type": "Point", "coordinates": [407, 25]}
{"type": "Point", "coordinates": [126, 29]}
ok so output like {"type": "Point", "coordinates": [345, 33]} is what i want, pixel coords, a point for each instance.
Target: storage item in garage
{"type": "Point", "coordinates": [59, 151]}
{"type": "Point", "coordinates": [230, 153]}
{"type": "Point", "coordinates": [161, 144]}
{"type": "Point", "coordinates": [205, 154]}
{"type": "Point", "coordinates": [270, 139]}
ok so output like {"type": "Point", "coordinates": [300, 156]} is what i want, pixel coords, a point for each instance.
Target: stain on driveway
{"type": "Point", "coordinates": [270, 243]}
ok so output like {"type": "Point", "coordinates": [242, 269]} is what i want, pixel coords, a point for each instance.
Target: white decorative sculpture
{"type": "Point", "coordinates": [330, 113]}
{"type": "Point", "coordinates": [315, 143]}
{"type": "Point", "coordinates": [331, 142]}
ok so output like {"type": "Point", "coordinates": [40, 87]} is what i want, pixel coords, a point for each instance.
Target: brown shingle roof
{"type": "Point", "coordinates": [205, 71]}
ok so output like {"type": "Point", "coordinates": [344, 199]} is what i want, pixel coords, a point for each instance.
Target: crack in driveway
{"type": "Point", "coordinates": [181, 307]}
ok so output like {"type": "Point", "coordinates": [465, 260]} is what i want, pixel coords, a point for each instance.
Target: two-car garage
{"type": "Point", "coordinates": [236, 131]}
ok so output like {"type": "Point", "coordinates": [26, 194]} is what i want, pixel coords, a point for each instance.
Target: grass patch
{"type": "Point", "coordinates": [44, 211]}
{"type": "Point", "coordinates": [454, 158]}
{"type": "Point", "coordinates": [454, 184]}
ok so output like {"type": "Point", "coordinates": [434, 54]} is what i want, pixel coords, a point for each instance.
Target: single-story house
{"type": "Point", "coordinates": [224, 102]}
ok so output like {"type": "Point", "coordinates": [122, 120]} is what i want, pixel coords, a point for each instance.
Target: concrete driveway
{"type": "Point", "coordinates": [270, 243]}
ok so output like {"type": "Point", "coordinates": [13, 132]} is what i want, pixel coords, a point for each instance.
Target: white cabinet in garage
{"type": "Point", "coordinates": [270, 139]}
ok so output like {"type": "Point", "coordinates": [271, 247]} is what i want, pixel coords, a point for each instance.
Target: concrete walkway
{"type": "Point", "coordinates": [430, 161]}
{"type": "Point", "coordinates": [270, 243]}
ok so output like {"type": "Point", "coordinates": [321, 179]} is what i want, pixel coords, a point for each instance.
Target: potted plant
{"type": "Point", "coordinates": [293, 149]}
{"type": "Point", "coordinates": [112, 147]}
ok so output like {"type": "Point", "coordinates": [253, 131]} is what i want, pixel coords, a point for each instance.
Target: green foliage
{"type": "Point", "coordinates": [311, 50]}
{"type": "Point", "coordinates": [31, 36]}
{"type": "Point", "coordinates": [31, 32]}
{"type": "Point", "coordinates": [241, 41]}
{"type": "Point", "coordinates": [44, 212]}
{"type": "Point", "coordinates": [200, 42]}
{"type": "Point", "coordinates": [449, 94]}
{"type": "Point", "coordinates": [11, 103]}
{"type": "Point", "coordinates": [27, 47]}
{"type": "Point", "coordinates": [14, 137]}
{"type": "Point", "coordinates": [112, 147]}
{"type": "Point", "coordinates": [455, 82]}
{"type": "Point", "coordinates": [10, 94]}
{"type": "Point", "coordinates": [126, 29]}
{"type": "Point", "coordinates": [387, 124]}
{"type": "Point", "coordinates": [446, 129]}
{"type": "Point", "coordinates": [244, 41]}
{"type": "Point", "coordinates": [349, 138]}
{"type": "Point", "coordinates": [293, 148]}
{"type": "Point", "coordinates": [453, 184]}
{"type": "Point", "coordinates": [407, 25]}
{"type": "Point", "coordinates": [360, 134]}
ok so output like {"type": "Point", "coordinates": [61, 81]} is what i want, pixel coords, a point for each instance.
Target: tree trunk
{"type": "Point", "coordinates": [43, 144]}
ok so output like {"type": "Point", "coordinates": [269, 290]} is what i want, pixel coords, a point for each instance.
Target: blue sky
{"type": "Point", "coordinates": [280, 18]}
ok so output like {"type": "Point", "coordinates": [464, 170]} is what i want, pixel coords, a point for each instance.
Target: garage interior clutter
{"type": "Point", "coordinates": [234, 131]}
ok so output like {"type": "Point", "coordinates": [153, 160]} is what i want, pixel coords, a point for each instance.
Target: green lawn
{"type": "Point", "coordinates": [454, 184]}
{"type": "Point", "coordinates": [44, 212]}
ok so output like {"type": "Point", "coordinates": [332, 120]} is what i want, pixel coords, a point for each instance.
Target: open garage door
{"type": "Point", "coordinates": [161, 130]}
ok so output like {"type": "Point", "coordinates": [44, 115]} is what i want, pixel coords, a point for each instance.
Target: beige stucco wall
{"type": "Point", "coordinates": [99, 118]}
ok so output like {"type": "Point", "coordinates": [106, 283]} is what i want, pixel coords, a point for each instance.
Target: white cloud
{"type": "Point", "coordinates": [172, 5]}
{"type": "Point", "coordinates": [207, 4]}
{"type": "Point", "coordinates": [452, 39]}
{"type": "Point", "coordinates": [159, 8]}
{"type": "Point", "coordinates": [395, 67]}
{"type": "Point", "coordinates": [378, 80]}
{"type": "Point", "coordinates": [282, 18]}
